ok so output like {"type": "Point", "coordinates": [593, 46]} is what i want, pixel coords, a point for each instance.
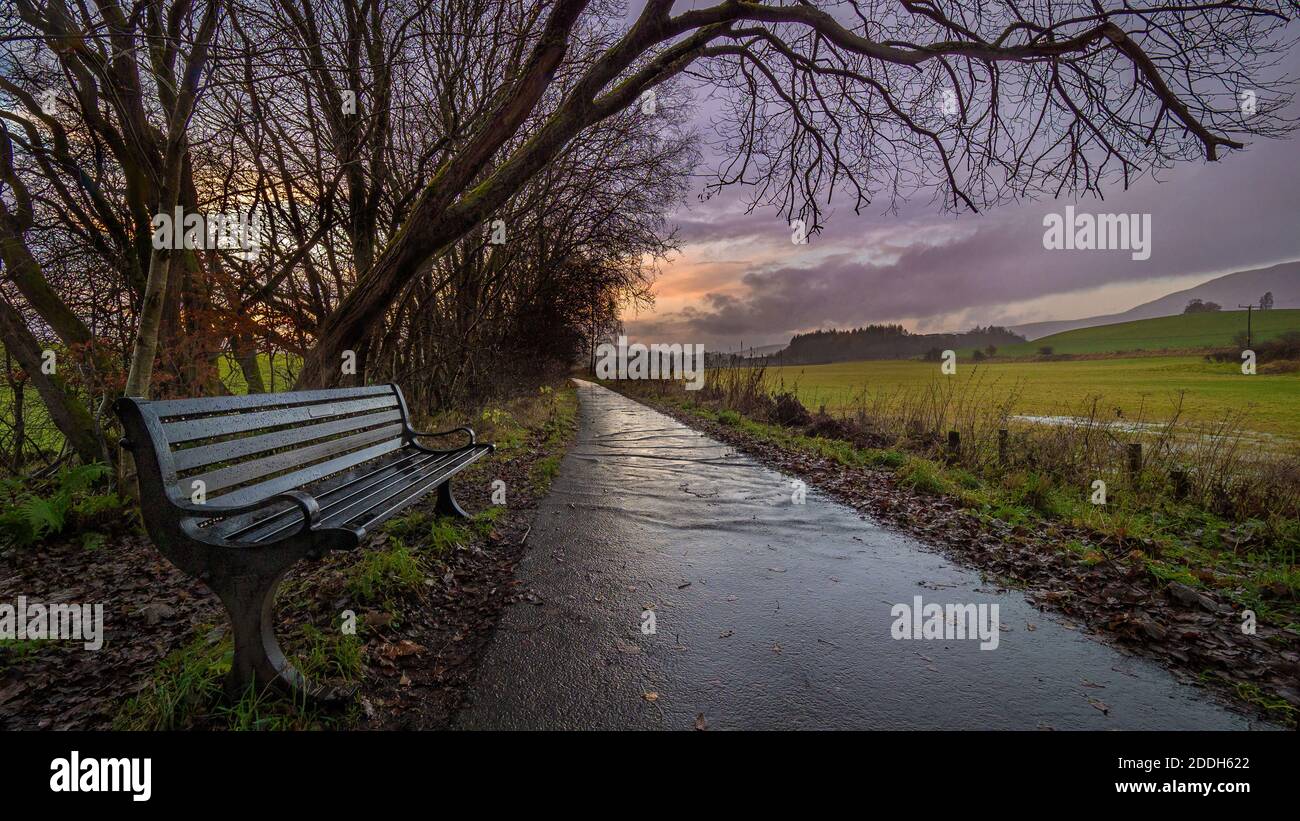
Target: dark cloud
{"type": "Point", "coordinates": [704, 223]}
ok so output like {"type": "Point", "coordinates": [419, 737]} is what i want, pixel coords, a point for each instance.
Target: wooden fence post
{"type": "Point", "coordinates": [1181, 484]}
{"type": "Point", "coordinates": [954, 445]}
{"type": "Point", "coordinates": [1134, 460]}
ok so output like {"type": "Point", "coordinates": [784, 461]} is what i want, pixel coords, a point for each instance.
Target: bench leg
{"type": "Point", "coordinates": [259, 662]}
{"type": "Point", "coordinates": [446, 504]}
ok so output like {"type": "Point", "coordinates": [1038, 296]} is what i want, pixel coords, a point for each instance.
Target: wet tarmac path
{"type": "Point", "coordinates": [769, 614]}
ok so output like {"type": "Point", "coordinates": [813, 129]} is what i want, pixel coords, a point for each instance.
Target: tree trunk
{"type": "Point", "coordinates": [67, 412]}
{"type": "Point", "coordinates": [246, 356]}
{"type": "Point", "coordinates": [146, 337]}
{"type": "Point", "coordinates": [30, 280]}
{"type": "Point", "coordinates": [20, 424]}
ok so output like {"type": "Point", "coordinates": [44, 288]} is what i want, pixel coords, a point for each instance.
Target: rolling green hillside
{"type": "Point", "coordinates": [1166, 333]}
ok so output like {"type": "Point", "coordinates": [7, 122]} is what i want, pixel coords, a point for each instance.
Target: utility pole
{"type": "Point", "coordinates": [1248, 308]}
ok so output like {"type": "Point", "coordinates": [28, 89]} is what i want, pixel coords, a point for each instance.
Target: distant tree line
{"type": "Point", "coordinates": [1199, 306]}
{"type": "Point", "coordinates": [889, 342]}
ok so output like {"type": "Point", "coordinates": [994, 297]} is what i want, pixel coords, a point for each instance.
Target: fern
{"type": "Point", "coordinates": [82, 477]}
{"type": "Point", "coordinates": [45, 517]}
{"type": "Point", "coordinates": [31, 517]}
{"type": "Point", "coordinates": [14, 526]}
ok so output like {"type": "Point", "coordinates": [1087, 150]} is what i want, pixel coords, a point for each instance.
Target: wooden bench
{"type": "Point", "coordinates": [236, 489]}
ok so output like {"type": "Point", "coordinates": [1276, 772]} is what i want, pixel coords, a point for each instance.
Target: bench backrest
{"type": "Point", "coordinates": [244, 448]}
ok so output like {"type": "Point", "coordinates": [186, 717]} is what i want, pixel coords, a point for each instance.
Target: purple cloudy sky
{"type": "Point", "coordinates": [739, 280]}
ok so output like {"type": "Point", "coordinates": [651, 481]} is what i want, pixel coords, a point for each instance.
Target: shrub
{"type": "Point", "coordinates": [1283, 348]}
{"type": "Point", "coordinates": [828, 427]}
{"type": "Point", "coordinates": [1280, 366]}
{"type": "Point", "coordinates": [787, 410]}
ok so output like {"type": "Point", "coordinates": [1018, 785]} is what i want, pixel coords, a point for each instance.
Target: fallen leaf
{"type": "Point", "coordinates": [11, 691]}
{"type": "Point", "coordinates": [1190, 597]}
{"type": "Point", "coordinates": [401, 649]}
{"type": "Point", "coordinates": [156, 612]}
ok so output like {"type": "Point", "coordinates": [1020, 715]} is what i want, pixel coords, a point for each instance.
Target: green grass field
{"type": "Point", "coordinates": [1143, 388]}
{"type": "Point", "coordinates": [1166, 333]}
{"type": "Point", "coordinates": [286, 369]}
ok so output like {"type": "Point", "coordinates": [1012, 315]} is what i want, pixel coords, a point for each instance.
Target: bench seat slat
{"type": "Point", "coordinates": [326, 492]}
{"type": "Point", "coordinates": [190, 430]}
{"type": "Point", "coordinates": [371, 504]}
{"type": "Point", "coordinates": [377, 507]}
{"type": "Point", "coordinates": [223, 404]}
{"type": "Point", "coordinates": [355, 488]}
{"type": "Point", "coordinates": [301, 478]}
{"type": "Point", "coordinates": [361, 508]}
{"type": "Point", "coordinates": [190, 458]}
{"type": "Point", "coordinates": [415, 491]}
{"type": "Point", "coordinates": [253, 469]}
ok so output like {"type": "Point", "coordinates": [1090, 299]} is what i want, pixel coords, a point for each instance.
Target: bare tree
{"type": "Point", "coordinates": [178, 95]}
{"type": "Point", "coordinates": [1046, 96]}
{"type": "Point", "coordinates": [132, 87]}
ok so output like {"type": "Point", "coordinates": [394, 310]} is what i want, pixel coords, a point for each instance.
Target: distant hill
{"type": "Point", "coordinates": [1185, 331]}
{"type": "Point", "coordinates": [1229, 290]}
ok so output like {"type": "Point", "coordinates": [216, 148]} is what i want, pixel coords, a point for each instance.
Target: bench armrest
{"type": "Point", "coordinates": [470, 431]}
{"type": "Point", "coordinates": [306, 503]}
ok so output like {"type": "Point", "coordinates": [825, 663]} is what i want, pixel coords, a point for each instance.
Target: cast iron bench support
{"type": "Point", "coordinates": [237, 489]}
